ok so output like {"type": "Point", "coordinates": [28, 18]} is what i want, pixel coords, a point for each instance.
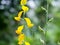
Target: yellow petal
{"type": "Point", "coordinates": [27, 43]}
{"type": "Point", "coordinates": [20, 13]}
{"type": "Point", "coordinates": [25, 8]}
{"type": "Point", "coordinates": [23, 2]}
{"type": "Point", "coordinates": [28, 22]}
{"type": "Point", "coordinates": [17, 18]}
{"type": "Point", "coordinates": [19, 30]}
{"type": "Point", "coordinates": [21, 27]}
{"type": "Point", "coordinates": [30, 25]}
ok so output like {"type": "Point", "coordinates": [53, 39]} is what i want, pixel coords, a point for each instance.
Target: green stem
{"type": "Point", "coordinates": [47, 12]}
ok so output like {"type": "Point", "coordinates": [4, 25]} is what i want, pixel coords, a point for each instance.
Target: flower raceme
{"type": "Point", "coordinates": [23, 2]}
{"type": "Point", "coordinates": [21, 35]}
{"type": "Point", "coordinates": [25, 8]}
{"type": "Point", "coordinates": [29, 24]}
{"type": "Point", "coordinates": [19, 30]}
{"type": "Point", "coordinates": [19, 16]}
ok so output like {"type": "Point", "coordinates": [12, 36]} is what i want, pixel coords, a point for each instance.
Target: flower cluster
{"type": "Point", "coordinates": [21, 35]}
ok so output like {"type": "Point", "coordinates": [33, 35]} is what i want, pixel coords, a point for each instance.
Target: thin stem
{"type": "Point", "coordinates": [47, 12]}
{"type": "Point", "coordinates": [46, 21]}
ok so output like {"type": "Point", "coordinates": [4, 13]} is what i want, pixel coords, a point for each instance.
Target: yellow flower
{"type": "Point", "coordinates": [21, 38]}
{"type": "Point", "coordinates": [19, 30]}
{"type": "Point", "coordinates": [23, 2]}
{"type": "Point", "coordinates": [28, 22]}
{"type": "Point", "coordinates": [25, 8]}
{"type": "Point", "coordinates": [27, 43]}
{"type": "Point", "coordinates": [19, 16]}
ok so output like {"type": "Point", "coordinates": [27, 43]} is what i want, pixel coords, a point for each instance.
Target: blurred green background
{"type": "Point", "coordinates": [43, 13]}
